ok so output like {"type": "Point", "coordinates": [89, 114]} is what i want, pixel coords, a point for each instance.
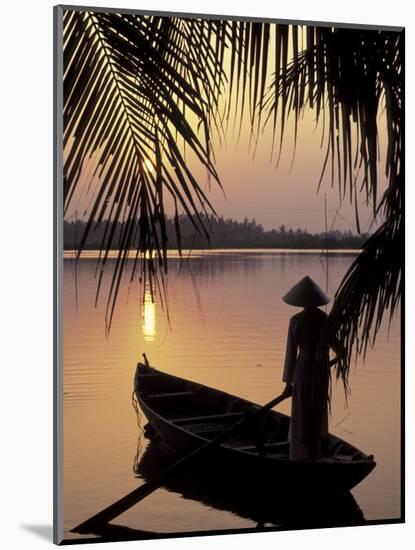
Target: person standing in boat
{"type": "Point", "coordinates": [307, 371]}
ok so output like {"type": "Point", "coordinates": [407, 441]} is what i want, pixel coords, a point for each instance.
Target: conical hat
{"type": "Point", "coordinates": [306, 293]}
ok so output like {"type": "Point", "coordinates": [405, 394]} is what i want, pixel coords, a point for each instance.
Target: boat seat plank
{"type": "Point", "coordinates": [268, 446]}
{"type": "Point", "coordinates": [207, 418]}
{"type": "Point", "coordinates": [208, 430]}
{"type": "Point", "coordinates": [170, 394]}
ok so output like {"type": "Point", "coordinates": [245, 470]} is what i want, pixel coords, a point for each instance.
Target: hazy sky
{"type": "Point", "coordinates": [287, 194]}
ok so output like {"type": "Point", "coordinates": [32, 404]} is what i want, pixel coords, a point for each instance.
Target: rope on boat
{"type": "Point", "coordinates": [139, 418]}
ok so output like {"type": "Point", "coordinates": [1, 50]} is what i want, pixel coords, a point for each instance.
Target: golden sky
{"type": "Point", "coordinates": [255, 188]}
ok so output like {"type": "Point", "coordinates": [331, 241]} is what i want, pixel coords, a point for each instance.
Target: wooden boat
{"type": "Point", "coordinates": [186, 415]}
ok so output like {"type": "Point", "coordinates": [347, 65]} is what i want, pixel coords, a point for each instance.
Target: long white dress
{"type": "Point", "coordinates": [310, 380]}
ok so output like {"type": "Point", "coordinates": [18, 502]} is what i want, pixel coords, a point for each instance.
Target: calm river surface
{"type": "Point", "coordinates": [228, 330]}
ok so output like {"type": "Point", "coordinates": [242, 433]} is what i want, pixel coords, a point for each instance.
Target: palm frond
{"type": "Point", "coordinates": [138, 92]}
{"type": "Point", "coordinates": [127, 83]}
{"type": "Point", "coordinates": [371, 287]}
{"type": "Point", "coordinates": [347, 73]}
{"type": "Point", "coordinates": [142, 91]}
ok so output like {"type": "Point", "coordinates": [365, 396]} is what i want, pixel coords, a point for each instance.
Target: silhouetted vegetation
{"type": "Point", "coordinates": [149, 82]}
{"type": "Point", "coordinates": [224, 233]}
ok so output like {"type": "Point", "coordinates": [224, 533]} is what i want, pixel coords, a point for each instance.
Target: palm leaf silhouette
{"type": "Point", "coordinates": [136, 87]}
{"type": "Point", "coordinates": [346, 74]}
{"type": "Point", "coordinates": [125, 94]}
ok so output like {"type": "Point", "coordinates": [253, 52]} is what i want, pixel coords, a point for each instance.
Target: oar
{"type": "Point", "coordinates": [156, 481]}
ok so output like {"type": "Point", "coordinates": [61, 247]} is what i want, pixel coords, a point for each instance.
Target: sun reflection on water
{"type": "Point", "coordinates": [149, 316]}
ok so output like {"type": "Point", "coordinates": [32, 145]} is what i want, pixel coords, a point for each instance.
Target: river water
{"type": "Point", "coordinates": [226, 327]}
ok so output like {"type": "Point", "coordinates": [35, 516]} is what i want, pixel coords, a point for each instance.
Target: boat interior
{"type": "Point", "coordinates": [207, 412]}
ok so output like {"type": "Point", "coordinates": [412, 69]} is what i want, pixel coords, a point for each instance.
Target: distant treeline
{"type": "Point", "coordinates": [224, 233]}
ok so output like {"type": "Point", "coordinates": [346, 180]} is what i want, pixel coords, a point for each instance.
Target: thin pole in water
{"type": "Point", "coordinates": [327, 244]}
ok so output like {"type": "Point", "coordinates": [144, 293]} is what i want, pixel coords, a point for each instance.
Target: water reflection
{"type": "Point", "coordinates": [149, 315]}
{"type": "Point", "coordinates": [238, 493]}
{"type": "Point", "coordinates": [231, 335]}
